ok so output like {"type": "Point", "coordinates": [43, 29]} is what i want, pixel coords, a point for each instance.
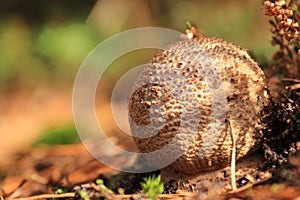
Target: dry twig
{"type": "Point", "coordinates": [48, 196]}
{"type": "Point", "coordinates": [233, 161]}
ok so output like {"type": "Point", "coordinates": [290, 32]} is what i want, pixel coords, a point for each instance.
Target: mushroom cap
{"type": "Point", "coordinates": [190, 95]}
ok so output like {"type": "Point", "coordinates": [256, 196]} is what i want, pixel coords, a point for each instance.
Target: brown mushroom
{"type": "Point", "coordinates": [196, 91]}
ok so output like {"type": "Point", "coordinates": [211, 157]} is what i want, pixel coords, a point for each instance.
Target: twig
{"type": "Point", "coordinates": [291, 80]}
{"type": "Point", "coordinates": [294, 87]}
{"type": "Point", "coordinates": [285, 96]}
{"type": "Point", "coordinates": [182, 195]}
{"type": "Point", "coordinates": [48, 196]}
{"type": "Point", "coordinates": [233, 161]}
{"type": "Point", "coordinates": [127, 196]}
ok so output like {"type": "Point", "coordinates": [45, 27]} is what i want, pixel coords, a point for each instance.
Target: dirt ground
{"type": "Point", "coordinates": [25, 115]}
{"type": "Point", "coordinates": [28, 173]}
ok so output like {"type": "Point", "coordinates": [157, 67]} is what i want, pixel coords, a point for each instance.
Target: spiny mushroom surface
{"type": "Point", "coordinates": [195, 91]}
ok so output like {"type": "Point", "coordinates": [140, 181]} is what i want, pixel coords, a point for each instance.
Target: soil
{"type": "Point", "coordinates": [44, 170]}
{"type": "Point", "coordinates": [41, 172]}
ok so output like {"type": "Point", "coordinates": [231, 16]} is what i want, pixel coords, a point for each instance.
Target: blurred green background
{"type": "Point", "coordinates": [43, 43]}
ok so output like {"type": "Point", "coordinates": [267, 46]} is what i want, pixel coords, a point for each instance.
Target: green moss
{"type": "Point", "coordinates": [59, 136]}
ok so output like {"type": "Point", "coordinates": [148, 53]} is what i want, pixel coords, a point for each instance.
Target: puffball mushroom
{"type": "Point", "coordinates": [204, 89]}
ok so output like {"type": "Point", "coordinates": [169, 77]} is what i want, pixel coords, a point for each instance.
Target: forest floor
{"type": "Point", "coordinates": [64, 171]}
